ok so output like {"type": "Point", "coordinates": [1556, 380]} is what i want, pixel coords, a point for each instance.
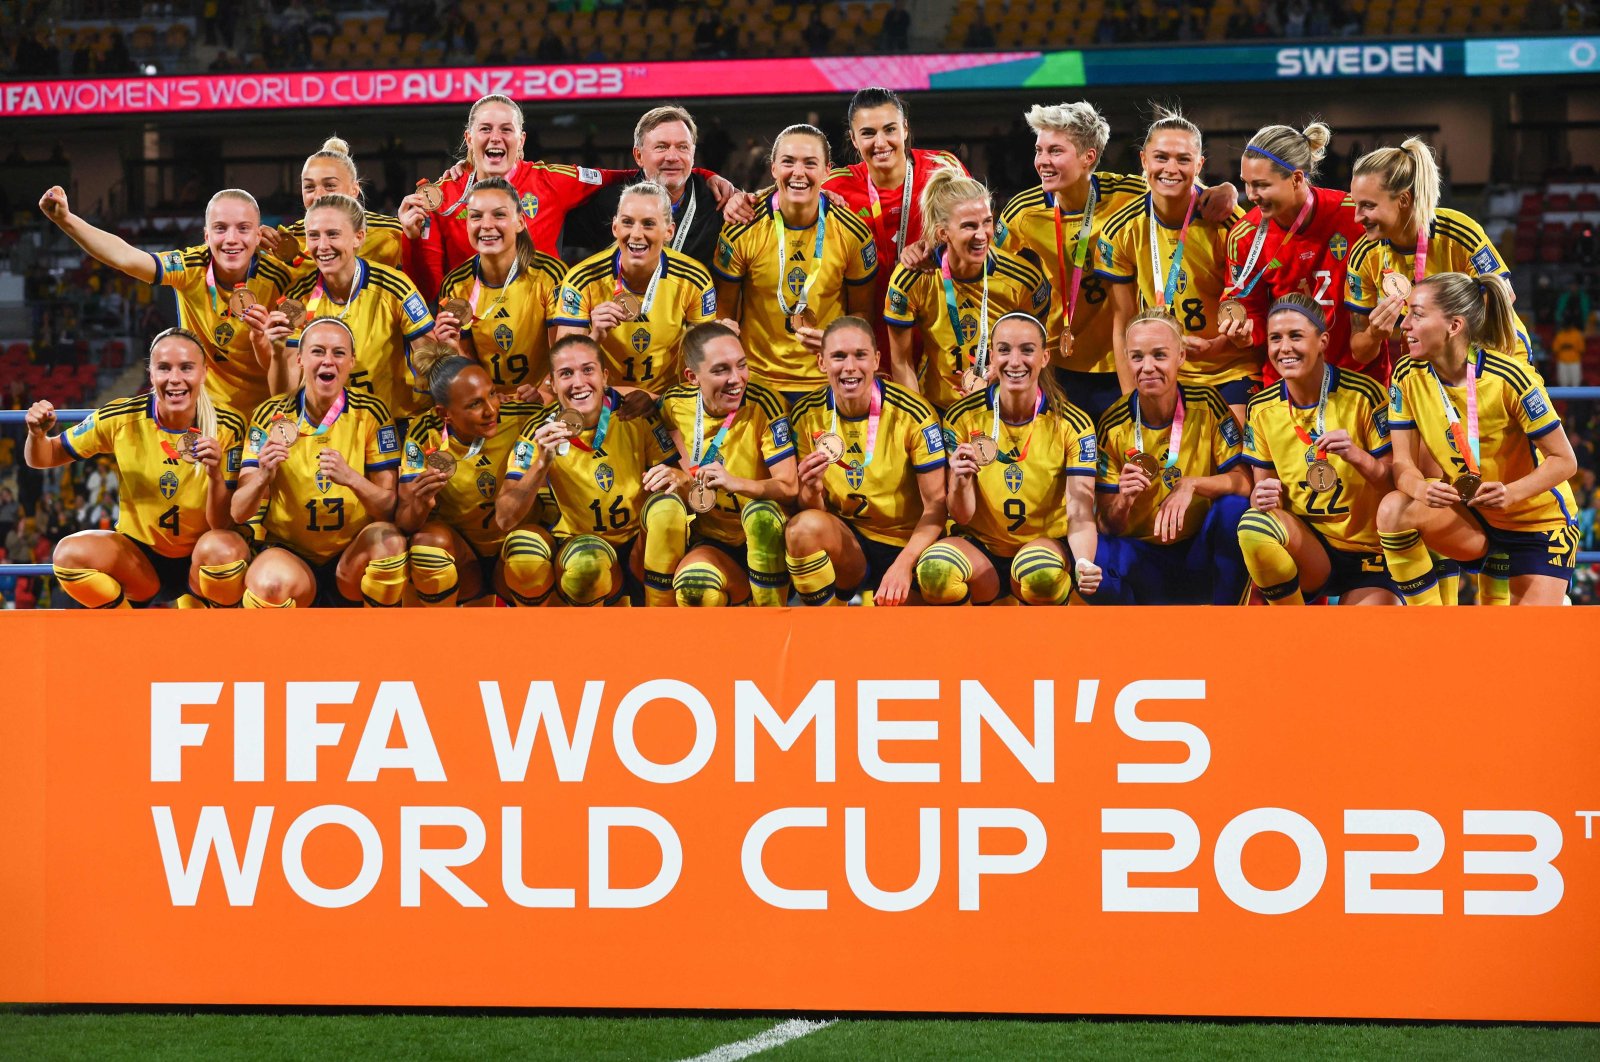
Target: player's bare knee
{"type": "Point", "coordinates": [75, 551]}
{"type": "Point", "coordinates": [1392, 512]}
{"type": "Point", "coordinates": [220, 547]}
{"type": "Point", "coordinates": [435, 535]}
{"type": "Point", "coordinates": [803, 533]}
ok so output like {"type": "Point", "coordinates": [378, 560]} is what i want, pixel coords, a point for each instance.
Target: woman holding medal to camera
{"type": "Point", "coordinates": [380, 306]}
{"type": "Point", "coordinates": [1164, 254]}
{"type": "Point", "coordinates": [796, 267]}
{"type": "Point", "coordinates": [735, 435]}
{"type": "Point", "coordinates": [1484, 416]}
{"type": "Point", "coordinates": [623, 527]}
{"type": "Point", "coordinates": [1020, 483]}
{"type": "Point", "coordinates": [321, 462]}
{"type": "Point", "coordinates": [455, 455]}
{"type": "Point", "coordinates": [331, 170]}
{"type": "Point", "coordinates": [177, 455]}
{"type": "Point", "coordinates": [496, 304]}
{"type": "Point", "coordinates": [1171, 482]}
{"type": "Point", "coordinates": [954, 307]}
{"type": "Point", "coordinates": [224, 288]}
{"type": "Point", "coordinates": [637, 299]}
{"type": "Point", "coordinates": [872, 481]}
{"type": "Point", "coordinates": [1318, 444]}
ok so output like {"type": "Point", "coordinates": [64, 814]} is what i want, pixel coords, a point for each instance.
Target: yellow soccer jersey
{"type": "Point", "coordinates": [758, 438]}
{"type": "Point", "coordinates": [748, 255]}
{"type": "Point", "coordinates": [881, 500]}
{"type": "Point", "coordinates": [1513, 410]}
{"type": "Point", "coordinates": [510, 327]}
{"type": "Point", "coordinates": [385, 243]}
{"type": "Point", "coordinates": [234, 377]}
{"type": "Point", "coordinates": [1346, 516]}
{"type": "Point", "coordinates": [1201, 280]}
{"type": "Point", "coordinates": [466, 503]}
{"type": "Point", "coordinates": [1028, 222]}
{"type": "Point", "coordinates": [306, 511]}
{"type": "Point", "coordinates": [598, 489]}
{"type": "Point", "coordinates": [385, 312]}
{"type": "Point", "coordinates": [920, 300]}
{"type": "Point", "coordinates": [643, 353]}
{"type": "Point", "coordinates": [163, 499]}
{"type": "Point", "coordinates": [1022, 496]}
{"type": "Point", "coordinates": [1456, 244]}
{"type": "Point", "coordinates": [1211, 444]}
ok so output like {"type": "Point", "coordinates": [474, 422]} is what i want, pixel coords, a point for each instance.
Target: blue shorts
{"type": "Point", "coordinates": [1351, 570]}
{"type": "Point", "coordinates": [880, 558]}
{"type": "Point", "coordinates": [1551, 553]}
{"type": "Point", "coordinates": [1001, 565]}
{"type": "Point", "coordinates": [1238, 392]}
{"type": "Point", "coordinates": [172, 573]}
{"type": "Point", "coordinates": [1206, 569]}
{"type": "Point", "coordinates": [1092, 392]}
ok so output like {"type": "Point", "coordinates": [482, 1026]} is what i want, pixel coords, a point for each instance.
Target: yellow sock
{"type": "Point", "coordinates": [250, 600]}
{"type": "Point", "coordinates": [763, 537]}
{"type": "Point", "coordinates": [590, 571]}
{"type": "Point", "coordinates": [943, 573]}
{"type": "Point", "coordinates": [222, 585]}
{"type": "Point", "coordinates": [1042, 578]}
{"type": "Point", "coordinates": [188, 601]}
{"type": "Point", "coordinates": [699, 584]}
{"type": "Point", "coordinates": [666, 540]}
{"type": "Point", "coordinates": [1410, 566]}
{"type": "Point", "coordinates": [434, 576]}
{"type": "Point", "coordinates": [1494, 582]}
{"type": "Point", "coordinates": [384, 581]}
{"type": "Point", "coordinates": [813, 577]}
{"type": "Point", "coordinates": [91, 588]}
{"type": "Point", "coordinates": [525, 560]}
{"type": "Point", "coordinates": [1448, 572]}
{"type": "Point", "coordinates": [1265, 545]}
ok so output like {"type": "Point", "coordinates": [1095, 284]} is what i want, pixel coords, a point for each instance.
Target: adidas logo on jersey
{"type": "Point", "coordinates": [798, 256]}
{"type": "Point", "coordinates": [855, 448]}
{"type": "Point", "coordinates": [502, 313]}
{"type": "Point", "coordinates": [483, 460]}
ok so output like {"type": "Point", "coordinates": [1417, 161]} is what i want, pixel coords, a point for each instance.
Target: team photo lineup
{"type": "Point", "coordinates": [860, 383]}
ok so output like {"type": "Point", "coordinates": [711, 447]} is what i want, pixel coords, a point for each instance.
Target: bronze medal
{"type": "Point", "coordinates": [284, 431]}
{"type": "Point", "coordinates": [1066, 343]}
{"type": "Point", "coordinates": [461, 308]}
{"type": "Point", "coordinates": [702, 498]}
{"type": "Point", "coordinates": [295, 311]}
{"type": "Point", "coordinates": [803, 317]}
{"type": "Point", "coordinates": [1395, 285]}
{"type": "Point", "coordinates": [1467, 485]}
{"type": "Point", "coordinates": [632, 308]}
{"type": "Point", "coordinates": [186, 444]}
{"type": "Point", "coordinates": [440, 460]}
{"type": "Point", "coordinates": [1232, 311]}
{"type": "Point", "coordinates": [431, 194]}
{"type": "Point", "coordinates": [973, 381]}
{"type": "Point", "coordinates": [240, 301]}
{"type": "Point", "coordinates": [1321, 477]}
{"type": "Point", "coordinates": [572, 419]}
{"type": "Point", "coordinates": [984, 449]}
{"type": "Point", "coordinates": [831, 444]}
{"type": "Point", "coordinates": [1148, 462]}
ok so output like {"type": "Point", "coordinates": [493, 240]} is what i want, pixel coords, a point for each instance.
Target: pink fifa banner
{"type": "Point", "coordinates": [527, 84]}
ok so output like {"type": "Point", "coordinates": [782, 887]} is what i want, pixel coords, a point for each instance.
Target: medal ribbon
{"type": "Point", "coordinates": [1080, 252]}
{"type": "Point", "coordinates": [649, 289]}
{"type": "Point", "coordinates": [1321, 420]}
{"type": "Point", "coordinates": [1174, 442]}
{"type": "Point", "coordinates": [334, 409]}
{"type": "Point", "coordinates": [713, 451]}
{"type": "Point", "coordinates": [783, 254]}
{"type": "Point", "coordinates": [905, 202]}
{"type": "Point", "coordinates": [1021, 454]}
{"type": "Point", "coordinates": [1169, 279]}
{"type": "Point", "coordinates": [472, 179]}
{"type": "Point", "coordinates": [1419, 263]}
{"type": "Point", "coordinates": [874, 411]}
{"type": "Point", "coordinates": [319, 292]}
{"type": "Point", "coordinates": [166, 447]}
{"type": "Point", "coordinates": [477, 290]}
{"type": "Point", "coordinates": [444, 443]}
{"type": "Point", "coordinates": [600, 430]}
{"type": "Point", "coordinates": [1239, 288]}
{"type": "Point", "coordinates": [1467, 444]}
{"type": "Point", "coordinates": [980, 358]}
{"type": "Point", "coordinates": [682, 233]}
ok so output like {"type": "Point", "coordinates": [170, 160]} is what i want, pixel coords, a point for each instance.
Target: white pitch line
{"type": "Point", "coordinates": [776, 1036]}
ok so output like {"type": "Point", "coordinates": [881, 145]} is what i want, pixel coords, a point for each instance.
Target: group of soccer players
{"type": "Point", "coordinates": [855, 383]}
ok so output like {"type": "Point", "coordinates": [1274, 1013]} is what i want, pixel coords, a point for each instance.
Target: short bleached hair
{"type": "Point", "coordinates": [1082, 124]}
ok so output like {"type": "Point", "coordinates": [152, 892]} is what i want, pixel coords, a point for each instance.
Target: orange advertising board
{"type": "Point", "coordinates": [1053, 811]}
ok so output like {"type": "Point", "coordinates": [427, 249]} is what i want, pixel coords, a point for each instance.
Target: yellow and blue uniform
{"type": "Point", "coordinates": [306, 512]}
{"type": "Point", "coordinates": [385, 243]}
{"type": "Point", "coordinates": [510, 328]}
{"type": "Point", "coordinates": [385, 313]}
{"type": "Point", "coordinates": [642, 353]}
{"type": "Point", "coordinates": [1539, 533]}
{"type": "Point", "coordinates": [466, 503]}
{"type": "Point", "coordinates": [747, 254]}
{"type": "Point", "coordinates": [1201, 280]}
{"type": "Point", "coordinates": [758, 439]}
{"type": "Point", "coordinates": [235, 378]}
{"type": "Point", "coordinates": [918, 299]}
{"type": "Point", "coordinates": [1203, 562]}
{"type": "Point", "coordinates": [1456, 244]}
{"type": "Point", "coordinates": [1345, 518]}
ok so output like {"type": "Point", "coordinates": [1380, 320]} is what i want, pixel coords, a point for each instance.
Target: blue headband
{"type": "Point", "coordinates": [1285, 304]}
{"type": "Point", "coordinates": [1267, 154]}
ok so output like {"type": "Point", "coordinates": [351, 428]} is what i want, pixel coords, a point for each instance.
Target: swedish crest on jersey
{"type": "Point", "coordinates": [1013, 478]}
{"type": "Point", "coordinates": [168, 483]}
{"type": "Point", "coordinates": [604, 477]}
{"type": "Point", "coordinates": [1338, 246]}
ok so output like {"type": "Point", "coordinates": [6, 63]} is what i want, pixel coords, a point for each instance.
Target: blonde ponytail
{"type": "Point", "coordinates": [1292, 150]}
{"type": "Point", "coordinates": [1484, 302]}
{"type": "Point", "coordinates": [1408, 168]}
{"type": "Point", "coordinates": [946, 189]}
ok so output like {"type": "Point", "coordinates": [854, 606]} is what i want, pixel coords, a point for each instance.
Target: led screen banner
{"type": "Point", "coordinates": [1345, 813]}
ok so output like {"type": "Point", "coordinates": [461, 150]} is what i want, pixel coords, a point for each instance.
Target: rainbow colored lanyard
{"type": "Point", "coordinates": [1011, 457]}
{"type": "Point", "coordinates": [905, 202]}
{"type": "Point", "coordinates": [444, 443]}
{"type": "Point", "coordinates": [1080, 250]}
{"type": "Point", "coordinates": [1320, 420]}
{"type": "Point", "coordinates": [980, 358]}
{"type": "Point", "coordinates": [356, 287]}
{"type": "Point", "coordinates": [1247, 271]}
{"type": "Point", "coordinates": [600, 429]}
{"type": "Point", "coordinates": [783, 254]}
{"type": "Point", "coordinates": [1169, 280]}
{"type": "Point", "coordinates": [1470, 446]}
{"type": "Point", "coordinates": [714, 451]}
{"type": "Point", "coordinates": [334, 409]}
{"type": "Point", "coordinates": [1176, 441]}
{"type": "Point", "coordinates": [477, 289]}
{"type": "Point", "coordinates": [655, 279]}
{"type": "Point", "coordinates": [874, 412]}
